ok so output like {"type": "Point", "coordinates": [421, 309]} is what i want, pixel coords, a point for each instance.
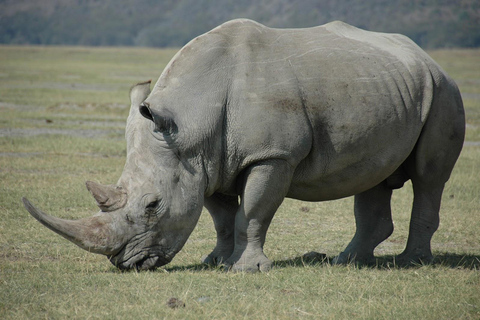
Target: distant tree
{"type": "Point", "coordinates": [430, 23]}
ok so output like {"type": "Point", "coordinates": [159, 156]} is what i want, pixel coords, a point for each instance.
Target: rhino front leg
{"type": "Point", "coordinates": [222, 208]}
{"type": "Point", "coordinates": [373, 218]}
{"type": "Point", "coordinates": [266, 185]}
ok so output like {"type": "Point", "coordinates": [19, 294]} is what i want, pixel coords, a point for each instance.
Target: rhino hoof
{"type": "Point", "coordinates": [263, 266]}
{"type": "Point", "coordinates": [363, 260]}
{"type": "Point", "coordinates": [213, 260]}
{"type": "Point", "coordinates": [408, 260]}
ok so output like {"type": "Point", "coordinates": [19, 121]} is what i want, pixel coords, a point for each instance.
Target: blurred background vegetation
{"type": "Point", "coordinates": [172, 23]}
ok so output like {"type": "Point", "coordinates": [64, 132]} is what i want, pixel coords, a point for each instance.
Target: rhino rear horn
{"type": "Point", "coordinates": [109, 198]}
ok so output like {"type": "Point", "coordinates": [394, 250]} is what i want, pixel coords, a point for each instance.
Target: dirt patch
{"type": "Point", "coordinates": [56, 122]}
{"type": "Point", "coordinates": [36, 154]}
{"type": "Point", "coordinates": [20, 154]}
{"type": "Point", "coordinates": [471, 143]}
{"type": "Point", "coordinates": [18, 107]}
{"type": "Point", "coordinates": [88, 106]}
{"type": "Point", "coordinates": [107, 124]}
{"type": "Point", "coordinates": [471, 96]}
{"type": "Point", "coordinates": [64, 86]}
{"type": "Point", "coordinates": [82, 133]}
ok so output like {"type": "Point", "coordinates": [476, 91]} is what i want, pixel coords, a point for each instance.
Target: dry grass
{"type": "Point", "coordinates": [44, 276]}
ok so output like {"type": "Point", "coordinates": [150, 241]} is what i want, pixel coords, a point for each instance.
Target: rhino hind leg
{"type": "Point", "coordinates": [423, 224]}
{"type": "Point", "coordinates": [222, 208]}
{"type": "Point", "coordinates": [265, 187]}
{"type": "Point", "coordinates": [373, 218]}
{"type": "Point", "coordinates": [429, 168]}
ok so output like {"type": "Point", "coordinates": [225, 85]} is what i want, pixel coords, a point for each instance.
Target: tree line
{"type": "Point", "coordinates": [172, 23]}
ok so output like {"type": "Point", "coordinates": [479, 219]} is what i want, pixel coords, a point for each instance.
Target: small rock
{"type": "Point", "coordinates": [175, 303]}
{"type": "Point", "coordinates": [304, 209]}
{"type": "Point", "coordinates": [203, 299]}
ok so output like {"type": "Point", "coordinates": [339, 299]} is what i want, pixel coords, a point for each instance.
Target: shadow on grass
{"type": "Point", "coordinates": [445, 259]}
{"type": "Point", "coordinates": [450, 260]}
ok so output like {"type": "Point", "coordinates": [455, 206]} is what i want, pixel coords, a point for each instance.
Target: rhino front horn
{"type": "Point", "coordinates": [109, 198]}
{"type": "Point", "coordinates": [95, 234]}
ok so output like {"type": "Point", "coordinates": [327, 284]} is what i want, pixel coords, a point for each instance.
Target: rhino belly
{"type": "Point", "coordinates": [337, 168]}
{"type": "Point", "coordinates": [346, 182]}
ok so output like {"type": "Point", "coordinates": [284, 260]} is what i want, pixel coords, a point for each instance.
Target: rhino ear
{"type": "Point", "coordinates": [109, 198]}
{"type": "Point", "coordinates": [163, 123]}
{"type": "Point", "coordinates": [139, 92]}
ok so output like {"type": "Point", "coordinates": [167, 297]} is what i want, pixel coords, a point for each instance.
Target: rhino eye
{"type": "Point", "coordinates": [152, 205]}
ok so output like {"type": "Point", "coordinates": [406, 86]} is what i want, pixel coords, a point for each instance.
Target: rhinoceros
{"type": "Point", "coordinates": [245, 115]}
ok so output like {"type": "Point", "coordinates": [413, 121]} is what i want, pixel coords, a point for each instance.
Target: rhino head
{"type": "Point", "coordinates": [148, 216]}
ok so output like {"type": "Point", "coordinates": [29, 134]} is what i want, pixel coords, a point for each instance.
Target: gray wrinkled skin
{"type": "Point", "coordinates": [244, 116]}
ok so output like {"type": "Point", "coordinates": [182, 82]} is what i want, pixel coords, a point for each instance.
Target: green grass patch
{"type": "Point", "coordinates": [62, 117]}
{"type": "Point", "coordinates": [463, 66]}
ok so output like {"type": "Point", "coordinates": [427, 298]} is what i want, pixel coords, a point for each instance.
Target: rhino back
{"type": "Point", "coordinates": [335, 101]}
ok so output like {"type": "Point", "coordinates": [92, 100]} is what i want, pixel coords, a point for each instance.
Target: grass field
{"type": "Point", "coordinates": [62, 118]}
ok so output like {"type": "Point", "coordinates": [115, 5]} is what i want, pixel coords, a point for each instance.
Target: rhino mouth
{"type": "Point", "coordinates": [140, 263]}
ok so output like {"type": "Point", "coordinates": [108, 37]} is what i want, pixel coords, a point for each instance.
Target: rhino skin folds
{"type": "Point", "coordinates": [244, 116]}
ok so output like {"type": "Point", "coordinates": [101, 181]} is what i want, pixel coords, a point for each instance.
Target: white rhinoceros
{"type": "Point", "coordinates": [244, 116]}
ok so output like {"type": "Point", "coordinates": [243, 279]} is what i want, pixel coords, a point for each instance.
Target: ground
{"type": "Point", "coordinates": [62, 121]}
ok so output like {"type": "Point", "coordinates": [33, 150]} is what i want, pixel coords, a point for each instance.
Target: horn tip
{"type": "Point", "coordinates": [30, 208]}
{"type": "Point", "coordinates": [26, 203]}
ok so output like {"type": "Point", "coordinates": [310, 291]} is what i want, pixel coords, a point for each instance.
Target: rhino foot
{"type": "Point", "coordinates": [212, 260]}
{"type": "Point", "coordinates": [416, 257]}
{"type": "Point", "coordinates": [216, 258]}
{"type": "Point", "coordinates": [353, 258]}
{"type": "Point", "coordinates": [248, 263]}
